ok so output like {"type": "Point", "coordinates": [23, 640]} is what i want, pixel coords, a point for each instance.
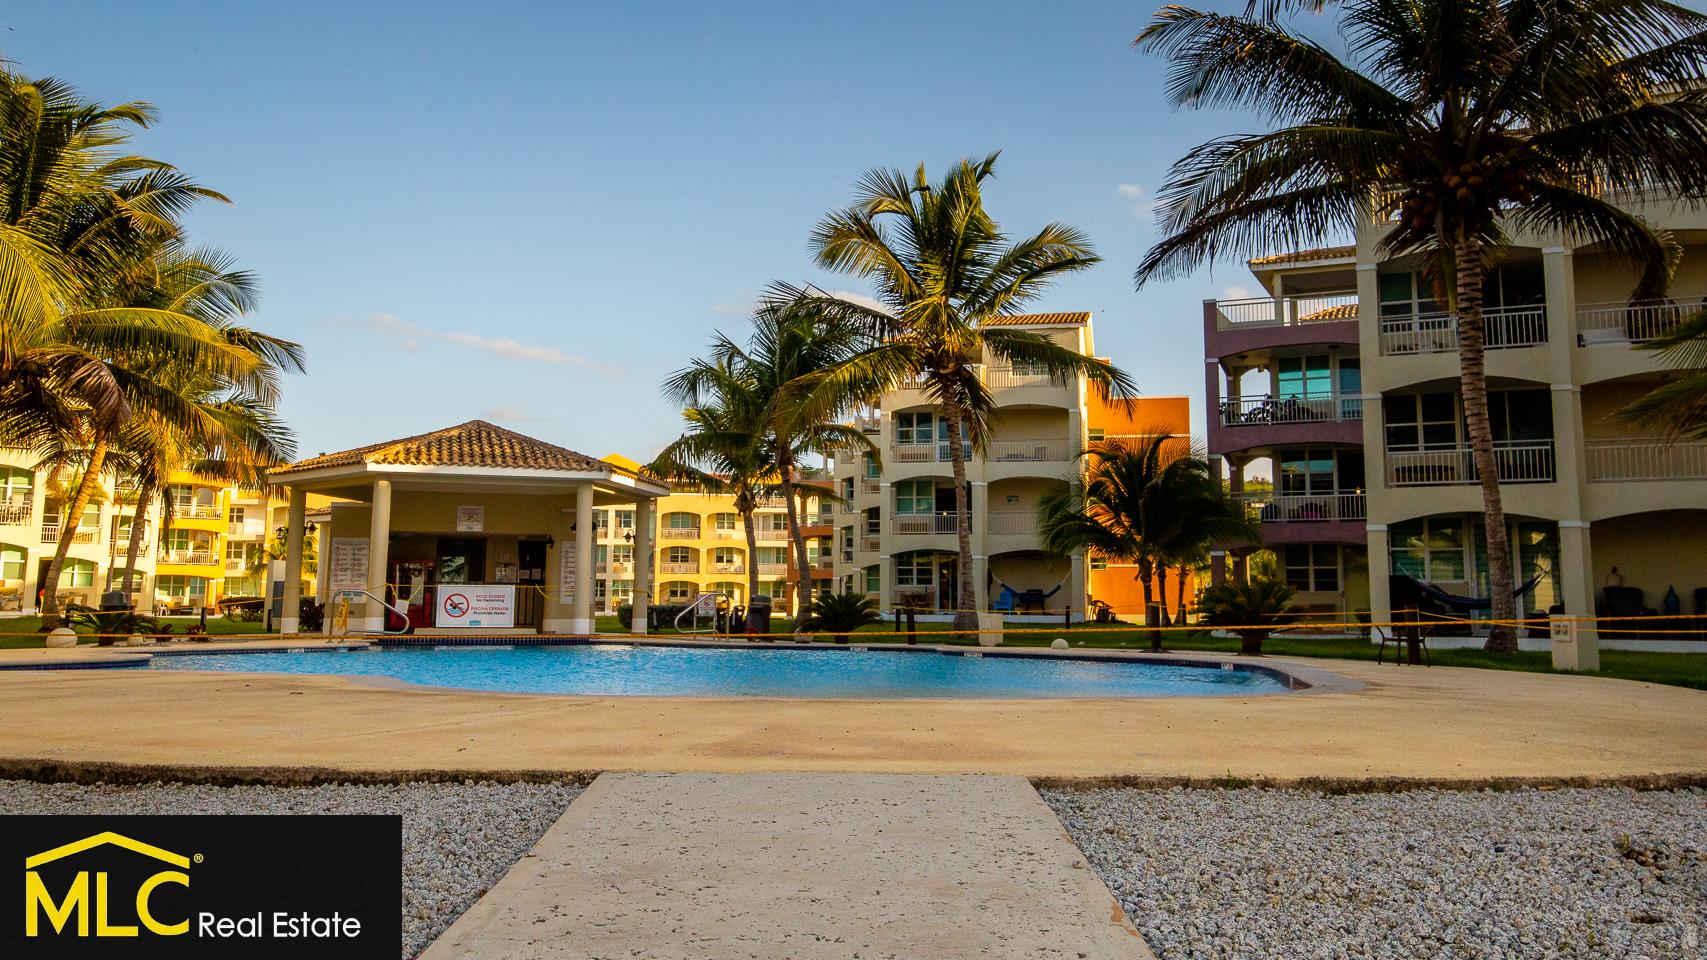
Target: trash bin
{"type": "Point", "coordinates": [759, 614]}
{"type": "Point", "coordinates": [115, 600]}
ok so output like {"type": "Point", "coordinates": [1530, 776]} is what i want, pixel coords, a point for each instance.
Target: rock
{"type": "Point", "coordinates": [62, 637]}
{"type": "Point", "coordinates": [1058, 644]}
{"type": "Point", "coordinates": [138, 640]}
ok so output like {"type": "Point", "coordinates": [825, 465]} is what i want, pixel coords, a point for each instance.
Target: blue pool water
{"type": "Point", "coordinates": [623, 670]}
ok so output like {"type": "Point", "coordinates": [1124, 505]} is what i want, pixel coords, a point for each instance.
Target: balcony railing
{"type": "Point", "coordinates": [1527, 461]}
{"type": "Point", "coordinates": [1308, 507]}
{"type": "Point", "coordinates": [728, 568]}
{"type": "Point", "coordinates": [1041, 449]}
{"type": "Point", "coordinates": [1268, 410]}
{"type": "Point", "coordinates": [621, 568]}
{"type": "Point", "coordinates": [870, 485]}
{"type": "Point", "coordinates": [1286, 312]}
{"type": "Point", "coordinates": [919, 452]}
{"type": "Point", "coordinates": [997, 378]}
{"type": "Point", "coordinates": [199, 557]}
{"type": "Point", "coordinates": [17, 512]}
{"type": "Point", "coordinates": [772, 569]}
{"type": "Point", "coordinates": [867, 425]}
{"type": "Point", "coordinates": [1011, 523]}
{"type": "Point", "coordinates": [669, 567]}
{"type": "Point", "coordinates": [50, 534]}
{"type": "Point", "coordinates": [189, 509]}
{"type": "Point", "coordinates": [1614, 461]}
{"type": "Point", "coordinates": [678, 533]}
{"type": "Point", "coordinates": [1524, 326]}
{"type": "Point", "coordinates": [771, 532]}
{"type": "Point", "coordinates": [731, 534]}
{"type": "Point", "coordinates": [871, 543]}
{"type": "Point", "coordinates": [1620, 324]}
{"type": "Point", "coordinates": [924, 523]}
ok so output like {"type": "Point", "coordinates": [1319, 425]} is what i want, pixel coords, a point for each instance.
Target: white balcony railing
{"type": "Point", "coordinates": [1041, 449]}
{"type": "Point", "coordinates": [1267, 410]}
{"type": "Point", "coordinates": [1524, 326]}
{"type": "Point", "coordinates": [772, 569]}
{"type": "Point", "coordinates": [731, 534]}
{"type": "Point", "coordinates": [1620, 324]}
{"type": "Point", "coordinates": [1011, 523]}
{"type": "Point", "coordinates": [189, 509]}
{"type": "Point", "coordinates": [728, 568]}
{"type": "Point", "coordinates": [621, 568]}
{"type": "Point", "coordinates": [197, 557]}
{"type": "Point", "coordinates": [50, 534]}
{"type": "Point", "coordinates": [870, 485]}
{"type": "Point", "coordinates": [1615, 461]}
{"type": "Point", "coordinates": [918, 452]}
{"type": "Point", "coordinates": [1308, 507]}
{"type": "Point", "coordinates": [17, 512]}
{"type": "Point", "coordinates": [1527, 461]}
{"type": "Point", "coordinates": [678, 533]}
{"type": "Point", "coordinates": [669, 567]}
{"type": "Point", "coordinates": [925, 523]}
{"type": "Point", "coordinates": [1286, 312]}
{"type": "Point", "coordinates": [998, 378]}
{"type": "Point", "coordinates": [871, 543]}
{"type": "Point", "coordinates": [866, 425]}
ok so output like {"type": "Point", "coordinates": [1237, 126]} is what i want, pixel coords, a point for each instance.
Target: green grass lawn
{"type": "Point", "coordinates": [23, 632]}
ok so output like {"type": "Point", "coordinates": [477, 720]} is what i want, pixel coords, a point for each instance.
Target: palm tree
{"type": "Point", "coordinates": [942, 269]}
{"type": "Point", "coordinates": [1678, 407]}
{"type": "Point", "coordinates": [1141, 502]}
{"type": "Point", "coordinates": [1456, 124]}
{"type": "Point", "coordinates": [726, 447]}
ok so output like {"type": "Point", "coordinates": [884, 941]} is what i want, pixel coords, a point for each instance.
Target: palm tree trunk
{"type": "Point", "coordinates": [1145, 574]}
{"type": "Point", "coordinates": [134, 549]}
{"type": "Point", "coordinates": [965, 607]}
{"type": "Point", "coordinates": [752, 554]}
{"type": "Point", "coordinates": [1473, 384]}
{"type": "Point", "coordinates": [68, 533]}
{"type": "Point", "coordinates": [803, 563]}
{"type": "Point", "coordinates": [1162, 590]}
{"type": "Point", "coordinates": [1179, 609]}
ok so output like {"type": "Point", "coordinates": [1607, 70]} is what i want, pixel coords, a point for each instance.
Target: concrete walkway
{"type": "Point", "coordinates": [799, 867]}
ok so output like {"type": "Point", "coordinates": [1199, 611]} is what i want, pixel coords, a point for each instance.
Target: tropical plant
{"type": "Point", "coordinates": [1455, 126]}
{"type": "Point", "coordinates": [108, 626]}
{"type": "Point", "coordinates": [1140, 502]}
{"type": "Point", "coordinates": [1252, 608]}
{"type": "Point", "coordinates": [840, 614]}
{"type": "Point", "coordinates": [943, 271]}
{"type": "Point", "coordinates": [1677, 407]}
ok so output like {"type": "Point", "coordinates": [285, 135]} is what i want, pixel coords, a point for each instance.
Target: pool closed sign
{"type": "Point", "coordinates": [476, 605]}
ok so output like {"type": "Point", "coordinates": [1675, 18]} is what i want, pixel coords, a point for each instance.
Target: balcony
{"type": "Point", "coordinates": [915, 524]}
{"type": "Point", "coordinates": [1622, 324]}
{"type": "Point", "coordinates": [678, 567]}
{"type": "Point", "coordinates": [678, 533]}
{"type": "Point", "coordinates": [1619, 461]}
{"type": "Point", "coordinates": [1248, 411]}
{"type": "Point", "coordinates": [196, 557]}
{"type": "Point", "coordinates": [190, 510]}
{"type": "Point", "coordinates": [1309, 507]}
{"type": "Point", "coordinates": [1011, 523]}
{"type": "Point", "coordinates": [729, 534]}
{"type": "Point", "coordinates": [772, 569]}
{"type": "Point", "coordinates": [621, 568]}
{"type": "Point", "coordinates": [728, 568]}
{"type": "Point", "coordinates": [1507, 327]}
{"type": "Point", "coordinates": [871, 543]}
{"type": "Point", "coordinates": [17, 512]}
{"type": "Point", "coordinates": [1525, 461]}
{"type": "Point", "coordinates": [870, 485]}
{"type": "Point", "coordinates": [50, 534]}
{"type": "Point", "coordinates": [917, 453]}
{"type": "Point", "coordinates": [1040, 449]}
{"type": "Point", "coordinates": [771, 531]}
{"type": "Point", "coordinates": [1232, 327]}
{"type": "Point", "coordinates": [866, 425]}
{"type": "Point", "coordinates": [1002, 378]}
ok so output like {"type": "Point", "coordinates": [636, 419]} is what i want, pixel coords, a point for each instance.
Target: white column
{"type": "Point", "coordinates": [1576, 586]}
{"type": "Point", "coordinates": [643, 508]}
{"type": "Point", "coordinates": [581, 621]}
{"type": "Point", "coordinates": [886, 583]}
{"type": "Point", "coordinates": [1380, 562]}
{"type": "Point", "coordinates": [378, 549]}
{"type": "Point", "coordinates": [981, 582]}
{"type": "Point", "coordinates": [295, 524]}
{"type": "Point", "coordinates": [1078, 584]}
{"type": "Point", "coordinates": [980, 504]}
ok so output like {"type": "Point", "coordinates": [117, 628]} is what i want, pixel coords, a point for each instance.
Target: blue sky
{"type": "Point", "coordinates": [532, 213]}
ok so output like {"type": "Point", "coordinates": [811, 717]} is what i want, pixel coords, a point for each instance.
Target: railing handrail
{"type": "Point", "coordinates": [1269, 408]}
{"type": "Point", "coordinates": [1294, 507]}
{"type": "Point", "coordinates": [1518, 461]}
{"type": "Point", "coordinates": [1613, 459]}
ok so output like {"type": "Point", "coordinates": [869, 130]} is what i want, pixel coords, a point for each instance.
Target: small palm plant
{"type": "Point", "coordinates": [1253, 609]}
{"type": "Point", "coordinates": [840, 614]}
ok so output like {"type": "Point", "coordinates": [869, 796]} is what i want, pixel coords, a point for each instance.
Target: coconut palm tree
{"type": "Point", "coordinates": [1677, 407]}
{"type": "Point", "coordinates": [943, 269]}
{"type": "Point", "coordinates": [1454, 126]}
{"type": "Point", "coordinates": [1141, 502]}
{"type": "Point", "coordinates": [726, 446]}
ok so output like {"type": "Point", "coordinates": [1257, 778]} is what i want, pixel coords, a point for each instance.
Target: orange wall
{"type": "Point", "coordinates": [1116, 587]}
{"type": "Point", "coordinates": [1145, 415]}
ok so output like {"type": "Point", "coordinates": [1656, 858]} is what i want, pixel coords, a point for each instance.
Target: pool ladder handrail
{"type": "Point", "coordinates": [403, 612]}
{"type": "Point", "coordinates": [694, 607]}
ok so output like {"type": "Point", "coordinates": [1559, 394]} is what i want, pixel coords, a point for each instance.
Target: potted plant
{"type": "Point", "coordinates": [1252, 609]}
{"type": "Point", "coordinates": [840, 614]}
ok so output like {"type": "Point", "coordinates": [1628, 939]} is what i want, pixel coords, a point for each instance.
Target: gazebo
{"type": "Point", "coordinates": [469, 528]}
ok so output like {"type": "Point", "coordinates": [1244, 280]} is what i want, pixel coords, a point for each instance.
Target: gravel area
{"type": "Point", "coordinates": [1603, 873]}
{"type": "Point", "coordinates": [458, 838]}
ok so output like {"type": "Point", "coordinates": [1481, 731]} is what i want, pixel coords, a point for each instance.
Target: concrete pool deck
{"type": "Point", "coordinates": [1412, 723]}
{"type": "Point", "coordinates": [799, 867]}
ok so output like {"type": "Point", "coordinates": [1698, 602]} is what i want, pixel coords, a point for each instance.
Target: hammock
{"type": "Point", "coordinates": [1464, 603]}
{"type": "Point", "coordinates": [1010, 599]}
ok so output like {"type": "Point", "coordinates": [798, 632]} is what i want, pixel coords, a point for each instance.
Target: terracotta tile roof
{"type": "Point", "coordinates": [472, 444]}
{"type": "Point", "coordinates": [1344, 311]}
{"type": "Point", "coordinates": [1304, 256]}
{"type": "Point", "coordinates": [1040, 319]}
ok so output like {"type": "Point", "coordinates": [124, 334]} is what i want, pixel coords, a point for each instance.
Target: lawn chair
{"type": "Point", "coordinates": [1399, 648]}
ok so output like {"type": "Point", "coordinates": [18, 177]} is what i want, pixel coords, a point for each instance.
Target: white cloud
{"type": "Point", "coordinates": [736, 308]}
{"type": "Point", "coordinates": [870, 303]}
{"type": "Point", "coordinates": [510, 415]}
{"type": "Point", "coordinates": [403, 331]}
{"type": "Point", "coordinates": [1235, 293]}
{"type": "Point", "coordinates": [407, 335]}
{"type": "Point", "coordinates": [1130, 191]}
{"type": "Point", "coordinates": [1134, 194]}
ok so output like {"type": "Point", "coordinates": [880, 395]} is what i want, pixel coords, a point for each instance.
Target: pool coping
{"type": "Point", "coordinates": [1298, 678]}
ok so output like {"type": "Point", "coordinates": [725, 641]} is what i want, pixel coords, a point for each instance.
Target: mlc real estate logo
{"type": "Point", "coordinates": [192, 887]}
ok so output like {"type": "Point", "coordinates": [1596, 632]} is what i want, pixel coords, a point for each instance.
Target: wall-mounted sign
{"type": "Point", "coordinates": [349, 564]}
{"type": "Point", "coordinates": [470, 519]}
{"type": "Point", "coordinates": [475, 605]}
{"type": "Point", "coordinates": [566, 575]}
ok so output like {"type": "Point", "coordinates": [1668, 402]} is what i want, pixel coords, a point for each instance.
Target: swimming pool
{"type": "Point", "coordinates": [605, 669]}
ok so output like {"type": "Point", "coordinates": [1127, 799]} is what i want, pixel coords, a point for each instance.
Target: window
{"type": "Point", "coordinates": [625, 519]}
{"type": "Point", "coordinates": [1420, 421]}
{"type": "Point", "coordinates": [77, 573]}
{"type": "Point", "coordinates": [1520, 415]}
{"type": "Point", "coordinates": [847, 489]}
{"type": "Point", "coordinates": [1304, 377]}
{"type": "Point", "coordinates": [1312, 566]}
{"type": "Point", "coordinates": [723, 555]}
{"type": "Point", "coordinates": [601, 555]}
{"type": "Point", "coordinates": [913, 569]}
{"type": "Point", "coordinates": [915, 427]}
{"type": "Point", "coordinates": [236, 514]}
{"type": "Point", "coordinates": [11, 562]}
{"type": "Point", "coordinates": [15, 484]}
{"type": "Point", "coordinates": [1306, 471]}
{"type": "Point", "coordinates": [677, 591]}
{"type": "Point", "coordinates": [723, 521]}
{"type": "Point", "coordinates": [727, 587]}
{"type": "Point", "coordinates": [621, 591]}
{"type": "Point", "coordinates": [769, 556]}
{"type": "Point", "coordinates": [873, 522]}
{"type": "Point", "coordinates": [873, 579]}
{"type": "Point", "coordinates": [234, 586]}
{"type": "Point", "coordinates": [913, 497]}
{"type": "Point", "coordinates": [236, 552]}
{"type": "Point", "coordinates": [601, 590]}
{"type": "Point", "coordinates": [1431, 549]}
{"type": "Point", "coordinates": [1406, 296]}
{"type": "Point", "coordinates": [870, 467]}
{"type": "Point", "coordinates": [678, 555]}
{"type": "Point", "coordinates": [621, 552]}
{"type": "Point", "coordinates": [680, 521]}
{"type": "Point", "coordinates": [1515, 285]}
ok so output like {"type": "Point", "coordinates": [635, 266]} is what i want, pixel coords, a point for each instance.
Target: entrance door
{"type": "Point", "coordinates": [530, 583]}
{"type": "Point", "coordinates": [947, 581]}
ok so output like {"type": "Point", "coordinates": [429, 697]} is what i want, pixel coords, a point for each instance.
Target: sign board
{"type": "Point", "coordinates": [470, 519]}
{"type": "Point", "coordinates": [349, 564]}
{"type": "Point", "coordinates": [566, 575]}
{"type": "Point", "coordinates": [475, 605]}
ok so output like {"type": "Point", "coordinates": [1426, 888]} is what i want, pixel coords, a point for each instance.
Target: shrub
{"type": "Point", "coordinates": [108, 626]}
{"type": "Point", "coordinates": [1252, 605]}
{"type": "Point", "coordinates": [310, 616]}
{"type": "Point", "coordinates": [840, 614]}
